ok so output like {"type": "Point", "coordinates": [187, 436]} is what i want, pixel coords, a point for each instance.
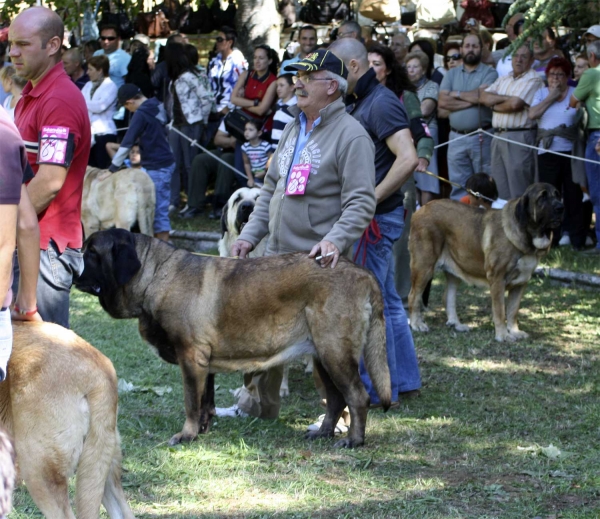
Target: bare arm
{"type": "Point", "coordinates": [448, 101]}
{"type": "Point", "coordinates": [511, 105]}
{"type": "Point", "coordinates": [573, 102]}
{"type": "Point", "coordinates": [491, 99]}
{"type": "Point", "coordinates": [46, 184]}
{"type": "Point", "coordinates": [8, 241]}
{"type": "Point", "coordinates": [237, 95]}
{"type": "Point", "coordinates": [224, 140]}
{"type": "Point", "coordinates": [535, 112]}
{"type": "Point", "coordinates": [401, 145]}
{"type": "Point", "coordinates": [267, 101]}
{"type": "Point", "coordinates": [248, 170]}
{"type": "Point", "coordinates": [428, 107]}
{"type": "Point", "coordinates": [28, 248]}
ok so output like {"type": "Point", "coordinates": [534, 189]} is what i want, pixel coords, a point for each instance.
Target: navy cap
{"type": "Point", "coordinates": [322, 59]}
{"type": "Point", "coordinates": [126, 92]}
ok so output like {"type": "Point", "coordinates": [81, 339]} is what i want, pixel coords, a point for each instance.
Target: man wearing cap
{"type": "Point", "coordinates": [53, 121]}
{"type": "Point", "coordinates": [382, 114]}
{"type": "Point", "coordinates": [147, 128]}
{"type": "Point", "coordinates": [319, 193]}
{"type": "Point", "coordinates": [588, 92]}
{"type": "Point", "coordinates": [592, 34]}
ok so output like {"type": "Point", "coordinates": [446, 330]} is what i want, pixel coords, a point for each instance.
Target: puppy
{"type": "Point", "coordinates": [498, 248]}
{"type": "Point", "coordinates": [121, 200]}
{"type": "Point", "coordinates": [59, 403]}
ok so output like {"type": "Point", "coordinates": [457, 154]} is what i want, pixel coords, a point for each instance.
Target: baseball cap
{"type": "Point", "coordinates": [594, 30]}
{"type": "Point", "coordinates": [322, 59]}
{"type": "Point", "coordinates": [127, 92]}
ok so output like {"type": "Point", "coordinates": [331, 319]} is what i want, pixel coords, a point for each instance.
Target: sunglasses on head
{"type": "Point", "coordinates": [453, 57]}
{"type": "Point", "coordinates": [108, 38]}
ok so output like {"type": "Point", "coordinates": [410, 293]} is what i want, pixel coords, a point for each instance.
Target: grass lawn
{"type": "Point", "coordinates": [500, 431]}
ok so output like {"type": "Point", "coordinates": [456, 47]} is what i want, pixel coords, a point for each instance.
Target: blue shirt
{"type": "Point", "coordinates": [287, 62]}
{"type": "Point", "coordinates": [118, 60]}
{"type": "Point", "coordinates": [303, 138]}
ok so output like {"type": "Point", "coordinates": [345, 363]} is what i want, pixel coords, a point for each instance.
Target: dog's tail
{"type": "Point", "coordinates": [375, 352]}
{"type": "Point", "coordinates": [99, 466]}
{"type": "Point", "coordinates": [146, 207]}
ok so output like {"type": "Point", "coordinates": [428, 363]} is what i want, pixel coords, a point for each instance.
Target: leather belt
{"type": "Point", "coordinates": [469, 131]}
{"type": "Point", "coordinates": [499, 130]}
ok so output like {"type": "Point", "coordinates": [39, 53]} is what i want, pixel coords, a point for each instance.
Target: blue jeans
{"type": "Point", "coordinates": [402, 358]}
{"type": "Point", "coordinates": [162, 186]}
{"type": "Point", "coordinates": [57, 273]}
{"type": "Point", "coordinates": [592, 172]}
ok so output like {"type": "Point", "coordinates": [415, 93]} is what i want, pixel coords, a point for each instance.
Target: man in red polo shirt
{"type": "Point", "coordinates": [53, 121]}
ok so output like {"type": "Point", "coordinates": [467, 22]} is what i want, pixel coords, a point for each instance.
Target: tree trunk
{"type": "Point", "coordinates": [258, 21]}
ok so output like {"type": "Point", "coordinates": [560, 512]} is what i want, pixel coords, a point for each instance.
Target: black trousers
{"type": "Point", "coordinates": [556, 170]}
{"type": "Point", "coordinates": [99, 158]}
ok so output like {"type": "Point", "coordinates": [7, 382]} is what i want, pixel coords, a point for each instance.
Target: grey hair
{"type": "Point", "coordinates": [593, 48]}
{"type": "Point", "coordinates": [342, 83]}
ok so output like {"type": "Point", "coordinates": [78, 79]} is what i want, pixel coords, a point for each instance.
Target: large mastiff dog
{"type": "Point", "coordinates": [59, 403]}
{"type": "Point", "coordinates": [214, 315]}
{"type": "Point", "coordinates": [495, 248]}
{"type": "Point", "coordinates": [121, 200]}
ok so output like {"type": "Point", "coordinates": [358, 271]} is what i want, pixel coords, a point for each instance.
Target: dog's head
{"type": "Point", "coordinates": [110, 263]}
{"type": "Point", "coordinates": [540, 211]}
{"type": "Point", "coordinates": [238, 209]}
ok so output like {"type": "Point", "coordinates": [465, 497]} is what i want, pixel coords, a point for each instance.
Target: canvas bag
{"type": "Point", "coordinates": [434, 13]}
{"type": "Point", "coordinates": [381, 10]}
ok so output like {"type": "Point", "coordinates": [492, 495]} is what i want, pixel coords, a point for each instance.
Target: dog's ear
{"type": "Point", "coordinates": [522, 210]}
{"type": "Point", "coordinates": [126, 263]}
{"type": "Point", "coordinates": [224, 228]}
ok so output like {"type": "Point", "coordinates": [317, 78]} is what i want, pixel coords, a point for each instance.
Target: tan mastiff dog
{"type": "Point", "coordinates": [119, 200]}
{"type": "Point", "coordinates": [59, 403]}
{"type": "Point", "coordinates": [498, 248]}
{"type": "Point", "coordinates": [213, 315]}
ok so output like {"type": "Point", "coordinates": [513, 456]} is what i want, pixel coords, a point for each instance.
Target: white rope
{"type": "Point", "coordinates": [474, 132]}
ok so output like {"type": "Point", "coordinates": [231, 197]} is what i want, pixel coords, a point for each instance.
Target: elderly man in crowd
{"type": "Point", "coordinates": [399, 45]}
{"type": "Point", "coordinates": [513, 166]}
{"type": "Point", "coordinates": [328, 151]}
{"type": "Point", "coordinates": [588, 92]}
{"type": "Point", "coordinates": [53, 121]}
{"type": "Point", "coordinates": [382, 114]}
{"type": "Point", "coordinates": [73, 64]}
{"type": "Point", "coordinates": [504, 66]}
{"type": "Point", "coordinates": [349, 29]}
{"type": "Point", "coordinates": [307, 37]}
{"type": "Point", "coordinates": [460, 94]}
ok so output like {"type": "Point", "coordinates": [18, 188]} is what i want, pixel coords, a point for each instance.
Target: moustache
{"type": "Point", "coordinates": [301, 93]}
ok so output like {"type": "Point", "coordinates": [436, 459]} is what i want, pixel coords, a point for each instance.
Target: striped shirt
{"type": "Point", "coordinates": [524, 87]}
{"type": "Point", "coordinates": [258, 157]}
{"type": "Point", "coordinates": [281, 117]}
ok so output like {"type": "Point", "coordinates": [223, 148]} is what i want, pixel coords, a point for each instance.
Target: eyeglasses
{"type": "Point", "coordinates": [219, 39]}
{"type": "Point", "coordinates": [557, 74]}
{"type": "Point", "coordinates": [307, 79]}
{"type": "Point", "coordinates": [108, 38]}
{"type": "Point", "coordinates": [452, 57]}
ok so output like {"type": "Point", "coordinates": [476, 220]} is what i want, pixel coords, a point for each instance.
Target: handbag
{"type": "Point", "coordinates": [154, 24]}
{"type": "Point", "coordinates": [381, 10]}
{"type": "Point", "coordinates": [235, 123]}
{"type": "Point", "coordinates": [434, 13]}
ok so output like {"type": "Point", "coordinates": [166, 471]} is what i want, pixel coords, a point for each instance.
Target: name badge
{"type": "Point", "coordinates": [54, 146]}
{"type": "Point", "coordinates": [296, 185]}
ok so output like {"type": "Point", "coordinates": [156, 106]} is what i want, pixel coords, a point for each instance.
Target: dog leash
{"type": "Point", "coordinates": [366, 239]}
{"type": "Point", "coordinates": [212, 255]}
{"type": "Point", "coordinates": [455, 184]}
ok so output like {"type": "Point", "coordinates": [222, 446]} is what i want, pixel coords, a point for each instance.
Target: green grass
{"type": "Point", "coordinates": [567, 259]}
{"type": "Point", "coordinates": [470, 447]}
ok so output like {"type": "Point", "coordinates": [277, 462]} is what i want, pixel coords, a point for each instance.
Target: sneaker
{"type": "Point", "coordinates": [564, 240]}
{"type": "Point", "coordinates": [231, 412]}
{"type": "Point", "coordinates": [340, 428]}
{"type": "Point", "coordinates": [588, 241]}
{"type": "Point", "coordinates": [185, 208]}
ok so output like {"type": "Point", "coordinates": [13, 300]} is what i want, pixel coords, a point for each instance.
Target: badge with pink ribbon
{"type": "Point", "coordinates": [298, 180]}
{"type": "Point", "coordinates": [53, 145]}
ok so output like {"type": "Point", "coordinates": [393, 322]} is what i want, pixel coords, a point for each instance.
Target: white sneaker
{"type": "Point", "coordinates": [340, 428]}
{"type": "Point", "coordinates": [589, 242]}
{"type": "Point", "coordinates": [565, 240]}
{"type": "Point", "coordinates": [232, 412]}
{"type": "Point", "coordinates": [586, 198]}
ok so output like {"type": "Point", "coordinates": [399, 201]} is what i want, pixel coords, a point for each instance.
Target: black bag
{"type": "Point", "coordinates": [235, 123]}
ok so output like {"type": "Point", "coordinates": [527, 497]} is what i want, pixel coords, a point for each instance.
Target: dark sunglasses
{"type": "Point", "coordinates": [108, 38]}
{"type": "Point", "coordinates": [453, 57]}
{"type": "Point", "coordinates": [219, 39]}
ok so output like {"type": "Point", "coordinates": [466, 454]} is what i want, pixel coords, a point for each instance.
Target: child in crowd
{"type": "Point", "coordinates": [286, 95]}
{"type": "Point", "coordinates": [485, 185]}
{"type": "Point", "coordinates": [135, 158]}
{"type": "Point", "coordinates": [256, 154]}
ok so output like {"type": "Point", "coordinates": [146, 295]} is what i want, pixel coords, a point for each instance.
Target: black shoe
{"type": "Point", "coordinates": [191, 213]}
{"type": "Point", "coordinates": [216, 215]}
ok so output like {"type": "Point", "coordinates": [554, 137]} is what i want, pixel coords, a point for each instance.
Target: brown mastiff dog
{"type": "Point", "coordinates": [59, 403]}
{"type": "Point", "coordinates": [214, 315]}
{"type": "Point", "coordinates": [498, 248]}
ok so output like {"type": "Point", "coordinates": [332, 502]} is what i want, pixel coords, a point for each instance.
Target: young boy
{"type": "Point", "coordinates": [485, 185]}
{"type": "Point", "coordinates": [256, 154]}
{"type": "Point", "coordinates": [148, 128]}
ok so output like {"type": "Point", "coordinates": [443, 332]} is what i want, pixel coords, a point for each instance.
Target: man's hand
{"type": "Point", "coordinates": [329, 253]}
{"type": "Point", "coordinates": [16, 316]}
{"type": "Point", "coordinates": [241, 248]}
{"type": "Point", "coordinates": [422, 165]}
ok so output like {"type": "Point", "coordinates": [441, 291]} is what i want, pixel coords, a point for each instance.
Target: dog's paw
{"type": "Point", "coordinates": [181, 438]}
{"type": "Point", "coordinates": [284, 391]}
{"type": "Point", "coordinates": [459, 327]}
{"type": "Point", "coordinates": [317, 435]}
{"type": "Point", "coordinates": [518, 334]}
{"type": "Point", "coordinates": [348, 443]}
{"type": "Point", "coordinates": [505, 337]}
{"type": "Point", "coordinates": [309, 366]}
{"type": "Point", "coordinates": [419, 326]}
